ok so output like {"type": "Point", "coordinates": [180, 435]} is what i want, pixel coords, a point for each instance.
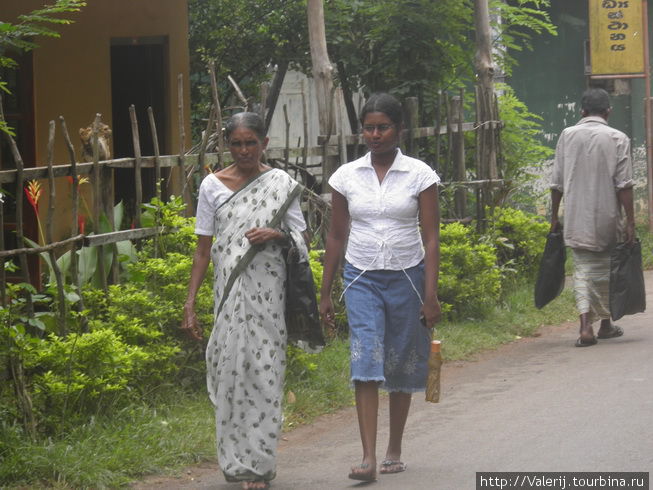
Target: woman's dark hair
{"type": "Point", "coordinates": [595, 101]}
{"type": "Point", "coordinates": [248, 120]}
{"type": "Point", "coordinates": [385, 103]}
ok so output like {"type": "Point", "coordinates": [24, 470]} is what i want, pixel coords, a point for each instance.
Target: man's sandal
{"type": "Point", "coordinates": [614, 331]}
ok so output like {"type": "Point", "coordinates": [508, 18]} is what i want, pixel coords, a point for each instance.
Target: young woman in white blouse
{"type": "Point", "coordinates": [385, 208]}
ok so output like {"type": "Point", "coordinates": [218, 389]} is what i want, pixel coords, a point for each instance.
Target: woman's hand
{"type": "Point", "coordinates": [431, 311]}
{"type": "Point", "coordinates": [189, 324]}
{"type": "Point", "coordinates": [262, 235]}
{"type": "Point", "coordinates": [326, 311]}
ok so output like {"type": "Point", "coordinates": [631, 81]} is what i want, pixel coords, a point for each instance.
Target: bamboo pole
{"type": "Point", "coordinates": [61, 297]}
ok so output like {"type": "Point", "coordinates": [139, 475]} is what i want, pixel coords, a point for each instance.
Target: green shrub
{"type": "Point", "coordinates": [519, 239]}
{"type": "Point", "coordinates": [82, 372]}
{"type": "Point", "coordinates": [469, 281]}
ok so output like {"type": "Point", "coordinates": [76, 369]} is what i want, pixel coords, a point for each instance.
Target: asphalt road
{"type": "Point", "coordinates": [539, 404]}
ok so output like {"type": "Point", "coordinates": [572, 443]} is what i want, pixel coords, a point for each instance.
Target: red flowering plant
{"type": "Point", "coordinates": [33, 191]}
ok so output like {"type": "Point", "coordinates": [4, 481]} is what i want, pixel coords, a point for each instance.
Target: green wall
{"type": "Point", "coordinates": [550, 79]}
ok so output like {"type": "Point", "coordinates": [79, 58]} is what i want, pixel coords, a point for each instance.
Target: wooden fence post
{"type": "Point", "coordinates": [218, 115]}
{"type": "Point", "coordinates": [436, 157]}
{"type": "Point", "coordinates": [138, 183]}
{"type": "Point", "coordinates": [61, 298]}
{"type": "Point", "coordinates": [458, 143]}
{"type": "Point", "coordinates": [3, 279]}
{"type": "Point", "coordinates": [412, 122]}
{"type": "Point", "coordinates": [97, 201]}
{"type": "Point", "coordinates": [186, 191]}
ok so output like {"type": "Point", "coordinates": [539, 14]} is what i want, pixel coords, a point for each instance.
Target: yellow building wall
{"type": "Point", "coordinates": [72, 74]}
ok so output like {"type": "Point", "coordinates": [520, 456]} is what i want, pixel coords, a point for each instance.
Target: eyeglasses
{"type": "Point", "coordinates": [381, 128]}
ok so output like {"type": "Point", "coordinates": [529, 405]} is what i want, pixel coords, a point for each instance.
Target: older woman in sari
{"type": "Point", "coordinates": [249, 208]}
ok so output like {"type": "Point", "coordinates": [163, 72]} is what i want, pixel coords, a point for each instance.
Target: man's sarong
{"type": "Point", "coordinates": [592, 283]}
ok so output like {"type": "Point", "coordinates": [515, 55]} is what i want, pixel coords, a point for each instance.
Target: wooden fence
{"type": "Point", "coordinates": [445, 140]}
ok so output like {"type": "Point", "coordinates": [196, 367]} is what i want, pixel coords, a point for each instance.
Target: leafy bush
{"type": "Point", "coordinates": [519, 239]}
{"type": "Point", "coordinates": [80, 372]}
{"type": "Point", "coordinates": [469, 278]}
{"type": "Point", "coordinates": [522, 151]}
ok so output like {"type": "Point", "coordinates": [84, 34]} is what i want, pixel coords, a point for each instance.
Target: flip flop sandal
{"type": "Point", "coordinates": [369, 475]}
{"type": "Point", "coordinates": [615, 331]}
{"type": "Point", "coordinates": [585, 343]}
{"type": "Point", "coordinates": [389, 466]}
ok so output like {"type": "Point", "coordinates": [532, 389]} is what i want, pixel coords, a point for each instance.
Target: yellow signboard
{"type": "Point", "coordinates": [616, 37]}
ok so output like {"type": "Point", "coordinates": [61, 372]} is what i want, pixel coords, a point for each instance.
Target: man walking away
{"type": "Point", "coordinates": [593, 171]}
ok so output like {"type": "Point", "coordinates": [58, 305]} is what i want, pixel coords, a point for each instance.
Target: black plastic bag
{"type": "Point", "coordinates": [302, 316]}
{"type": "Point", "coordinates": [551, 276]}
{"type": "Point", "coordinates": [627, 292]}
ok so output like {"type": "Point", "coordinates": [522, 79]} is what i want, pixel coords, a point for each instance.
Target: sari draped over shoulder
{"type": "Point", "coordinates": [246, 353]}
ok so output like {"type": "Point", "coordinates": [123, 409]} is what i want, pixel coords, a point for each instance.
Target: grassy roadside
{"type": "Point", "coordinates": [178, 430]}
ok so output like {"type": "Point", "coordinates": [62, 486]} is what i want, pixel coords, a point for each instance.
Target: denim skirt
{"type": "Point", "coordinates": [387, 341]}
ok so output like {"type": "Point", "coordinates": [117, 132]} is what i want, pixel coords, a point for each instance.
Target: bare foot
{"type": "Point", "coordinates": [363, 472]}
{"type": "Point", "coordinates": [255, 485]}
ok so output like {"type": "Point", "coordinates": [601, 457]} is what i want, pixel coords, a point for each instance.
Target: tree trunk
{"type": "Point", "coordinates": [348, 97]}
{"type": "Point", "coordinates": [322, 68]}
{"type": "Point", "coordinates": [485, 74]}
{"type": "Point", "coordinates": [323, 78]}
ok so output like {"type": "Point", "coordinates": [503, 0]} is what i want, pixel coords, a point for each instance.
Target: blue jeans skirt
{"type": "Point", "coordinates": [387, 341]}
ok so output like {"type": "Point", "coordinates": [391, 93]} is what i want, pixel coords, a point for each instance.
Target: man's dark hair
{"type": "Point", "coordinates": [595, 102]}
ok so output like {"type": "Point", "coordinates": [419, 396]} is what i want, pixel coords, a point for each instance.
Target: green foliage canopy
{"type": "Point", "coordinates": [20, 37]}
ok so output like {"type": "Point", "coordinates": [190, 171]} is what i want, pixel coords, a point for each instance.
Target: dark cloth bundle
{"type": "Point", "coordinates": [551, 276]}
{"type": "Point", "coordinates": [627, 292]}
{"type": "Point", "coordinates": [302, 316]}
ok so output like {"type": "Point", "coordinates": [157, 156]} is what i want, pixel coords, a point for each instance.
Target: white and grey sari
{"type": "Point", "coordinates": [246, 353]}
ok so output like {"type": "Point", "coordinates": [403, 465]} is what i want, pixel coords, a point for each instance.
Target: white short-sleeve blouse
{"type": "Point", "coordinates": [384, 230]}
{"type": "Point", "coordinates": [213, 193]}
